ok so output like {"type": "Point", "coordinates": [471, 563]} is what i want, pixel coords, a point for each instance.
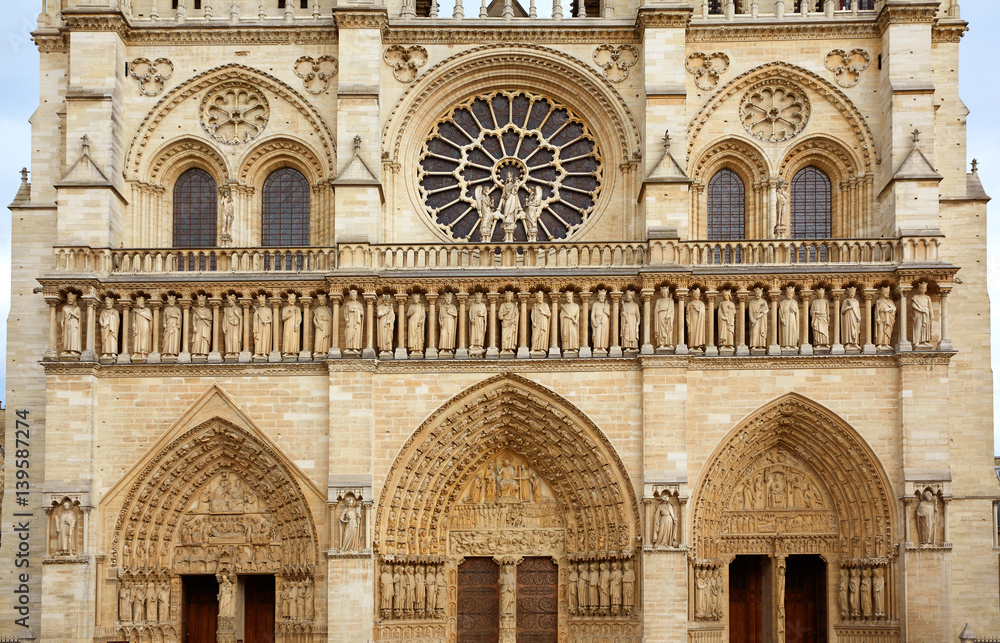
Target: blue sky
{"type": "Point", "coordinates": [980, 89]}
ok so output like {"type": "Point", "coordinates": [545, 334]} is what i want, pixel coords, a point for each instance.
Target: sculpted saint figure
{"type": "Point", "coordinates": [664, 524]}
{"type": "Point", "coordinates": [855, 587]}
{"type": "Point", "coordinates": [533, 211]}
{"type": "Point", "coordinates": [151, 616]}
{"type": "Point", "coordinates": [409, 588]}
{"type": "Point", "coordinates": [398, 593]}
{"type": "Point", "coordinates": [850, 320]}
{"type": "Point", "coordinates": [885, 319]}
{"type": "Point", "coordinates": [788, 320]}
{"type": "Point", "coordinates": [65, 520]}
{"type": "Point", "coordinates": [594, 598]}
{"type": "Point", "coordinates": [507, 481]}
{"type": "Point", "coordinates": [780, 202]}
{"type": "Point", "coordinates": [696, 320]}
{"type": "Point", "coordinates": [605, 588]}
{"type": "Point", "coordinates": [227, 597]}
{"type": "Point", "coordinates": [386, 320]}
{"type": "Point", "coordinates": [420, 590]}
{"type": "Point", "coordinates": [125, 603]}
{"type": "Point", "coordinates": [354, 315]}
{"type": "Point", "coordinates": [569, 323]}
{"type": "Point", "coordinates": [571, 589]}
{"type": "Point", "coordinates": [163, 602]}
{"type": "Point", "coordinates": [921, 305]}
{"type": "Point", "coordinates": [819, 309]}
{"type": "Point", "coordinates": [201, 327]}
{"type": "Point", "coordinates": [291, 326]}
{"type": "Point", "coordinates": [583, 583]}
{"type": "Point", "coordinates": [110, 323]}
{"type": "Point", "coordinates": [227, 218]}
{"type": "Point", "coordinates": [172, 317]}
{"type": "Point", "coordinates": [232, 326]}
{"type": "Point", "coordinates": [71, 325]}
{"type": "Point", "coordinates": [508, 322]}
{"type": "Point", "coordinates": [878, 592]}
{"type": "Point", "coordinates": [477, 323]}
{"type": "Point", "coordinates": [866, 593]}
{"type": "Point", "coordinates": [663, 313]}
{"type": "Point", "coordinates": [926, 517]}
{"type": "Point", "coordinates": [322, 326]}
{"type": "Point", "coordinates": [487, 217]}
{"type": "Point", "coordinates": [616, 587]}
{"type": "Point", "coordinates": [842, 594]}
{"type": "Point", "coordinates": [262, 337]}
{"type": "Point", "coordinates": [628, 587]}
{"type": "Point", "coordinates": [442, 590]}
{"type": "Point", "coordinates": [630, 316]}
{"type": "Point", "coordinates": [727, 320]}
{"type": "Point", "coordinates": [758, 310]}
{"type": "Point", "coordinates": [508, 583]}
{"type": "Point", "coordinates": [509, 200]}
{"type": "Point", "coordinates": [142, 327]}
{"type": "Point", "coordinates": [430, 582]}
{"type": "Point", "coordinates": [447, 321]}
{"type": "Point", "coordinates": [416, 317]}
{"type": "Point", "coordinates": [541, 316]}
{"type": "Point", "coordinates": [138, 604]}
{"type": "Point", "coordinates": [350, 519]}
{"type": "Point", "coordinates": [600, 318]}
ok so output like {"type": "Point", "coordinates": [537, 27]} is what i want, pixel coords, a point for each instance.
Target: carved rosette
{"type": "Point", "coordinates": [848, 66]}
{"type": "Point", "coordinates": [152, 75]}
{"type": "Point", "coordinates": [615, 60]}
{"type": "Point", "coordinates": [707, 68]}
{"type": "Point", "coordinates": [316, 72]}
{"type": "Point", "coordinates": [544, 148]}
{"type": "Point", "coordinates": [234, 113]}
{"type": "Point", "coordinates": [774, 111]}
{"type": "Point", "coordinates": [405, 61]}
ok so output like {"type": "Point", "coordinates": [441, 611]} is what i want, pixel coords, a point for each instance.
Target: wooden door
{"type": "Point", "coordinates": [537, 601]}
{"type": "Point", "coordinates": [201, 609]}
{"type": "Point", "coordinates": [478, 601]}
{"type": "Point", "coordinates": [746, 600]}
{"type": "Point", "coordinates": [805, 600]}
{"type": "Point", "coordinates": [258, 614]}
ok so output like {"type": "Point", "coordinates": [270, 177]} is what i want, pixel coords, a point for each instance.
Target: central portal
{"type": "Point", "coordinates": [483, 586]}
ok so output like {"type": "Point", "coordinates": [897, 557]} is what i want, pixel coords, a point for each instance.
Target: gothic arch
{"type": "Point", "coordinates": [507, 412]}
{"type": "Point", "coordinates": [277, 152]}
{"type": "Point", "coordinates": [173, 158]}
{"type": "Point", "coordinates": [741, 155]}
{"type": "Point", "coordinates": [833, 157]}
{"type": "Point", "coordinates": [794, 432]}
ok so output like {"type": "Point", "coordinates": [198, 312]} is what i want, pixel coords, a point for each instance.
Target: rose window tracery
{"type": "Point", "coordinates": [774, 111]}
{"type": "Point", "coordinates": [234, 114]}
{"type": "Point", "coordinates": [510, 166]}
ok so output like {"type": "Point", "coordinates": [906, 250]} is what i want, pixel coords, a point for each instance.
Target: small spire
{"type": "Point", "coordinates": [666, 141]}
{"type": "Point", "coordinates": [86, 144]}
{"type": "Point", "coordinates": [357, 144]}
{"type": "Point", "coordinates": [975, 165]}
{"type": "Point", "coordinates": [24, 175]}
{"type": "Point", "coordinates": [916, 137]}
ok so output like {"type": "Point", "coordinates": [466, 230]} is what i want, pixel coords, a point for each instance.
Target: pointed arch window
{"type": "Point", "coordinates": [195, 210]}
{"type": "Point", "coordinates": [726, 206]}
{"type": "Point", "coordinates": [812, 204]}
{"type": "Point", "coordinates": [285, 209]}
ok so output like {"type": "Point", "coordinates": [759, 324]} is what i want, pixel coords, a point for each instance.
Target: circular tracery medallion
{"type": "Point", "coordinates": [234, 113]}
{"type": "Point", "coordinates": [774, 111]}
{"type": "Point", "coordinates": [510, 166]}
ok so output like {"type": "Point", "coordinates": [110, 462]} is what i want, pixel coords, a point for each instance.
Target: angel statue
{"type": "Point", "coordinates": [534, 208]}
{"type": "Point", "coordinates": [487, 217]}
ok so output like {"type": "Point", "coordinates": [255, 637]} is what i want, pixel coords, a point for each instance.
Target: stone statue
{"type": "Point", "coordinates": [71, 325]}
{"type": "Point", "coordinates": [509, 200]}
{"type": "Point", "coordinates": [201, 327]}
{"type": "Point", "coordinates": [232, 326]}
{"type": "Point", "coordinates": [781, 202]}
{"type": "Point", "coordinates": [927, 518]}
{"type": "Point", "coordinates": [350, 521]}
{"type": "Point", "coordinates": [398, 593]}
{"type": "Point", "coordinates": [262, 337]}
{"type": "Point", "coordinates": [878, 592]}
{"type": "Point", "coordinates": [477, 324]}
{"type": "Point", "coordinates": [819, 309]}
{"type": "Point", "coordinates": [447, 322]}
{"type": "Point", "coordinates": [696, 320]}
{"type": "Point", "coordinates": [855, 587]}
{"type": "Point", "coordinates": [605, 588]}
{"type": "Point", "coordinates": [594, 593]}
{"type": "Point", "coordinates": [885, 320]}
{"type": "Point", "coordinates": [866, 593]}
{"type": "Point", "coordinates": [630, 316]}
{"type": "Point", "coordinates": [780, 596]}
{"type": "Point", "coordinates": [442, 590]}
{"type": "Point", "coordinates": [628, 587]}
{"type": "Point", "coordinates": [616, 587]}
{"type": "Point", "coordinates": [172, 317]}
{"type": "Point", "coordinates": [420, 590]}
{"type": "Point", "coordinates": [430, 583]}
{"type": "Point", "coordinates": [386, 317]}
{"type": "Point", "coordinates": [416, 317]}
{"type": "Point", "coordinates": [758, 310]}
{"type": "Point", "coordinates": [788, 321]}
{"type": "Point", "coordinates": [508, 323]}
{"type": "Point", "coordinates": [850, 320]}
{"type": "Point", "coordinates": [508, 587]}
{"type": "Point", "coordinates": [600, 318]}
{"type": "Point", "coordinates": [727, 320]}
{"type": "Point", "coordinates": [664, 523]}
{"type": "Point", "coordinates": [142, 327]}
{"type": "Point", "coordinates": [842, 594]}
{"type": "Point", "coordinates": [385, 585]}
{"type": "Point", "coordinates": [291, 327]}
{"type": "Point", "coordinates": [533, 209]}
{"type": "Point", "coordinates": [65, 526]}
{"type": "Point", "coordinates": [354, 316]}
{"type": "Point", "coordinates": [571, 589]}
{"type": "Point", "coordinates": [151, 615]}
{"type": "Point", "coordinates": [541, 316]}
{"type": "Point", "coordinates": [700, 594]}
{"type": "Point", "coordinates": [569, 323]}
{"type": "Point", "coordinates": [125, 603]}
{"type": "Point", "coordinates": [921, 305]}
{"type": "Point", "coordinates": [409, 588]}
{"type": "Point", "coordinates": [138, 604]}
{"type": "Point", "coordinates": [163, 602]}
{"type": "Point", "coordinates": [110, 323]}
{"type": "Point", "coordinates": [228, 214]}
{"type": "Point", "coordinates": [322, 326]}
{"type": "Point", "coordinates": [583, 585]}
{"type": "Point", "coordinates": [487, 217]}
{"type": "Point", "coordinates": [664, 316]}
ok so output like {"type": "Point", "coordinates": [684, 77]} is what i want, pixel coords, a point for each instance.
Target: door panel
{"type": "Point", "coordinates": [478, 601]}
{"type": "Point", "coordinates": [537, 601]}
{"type": "Point", "coordinates": [746, 599]}
{"type": "Point", "coordinates": [805, 600]}
{"type": "Point", "coordinates": [258, 619]}
{"type": "Point", "coordinates": [201, 608]}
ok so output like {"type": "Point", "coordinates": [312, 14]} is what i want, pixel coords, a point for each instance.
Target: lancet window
{"type": "Point", "coordinates": [195, 210]}
{"type": "Point", "coordinates": [726, 206]}
{"type": "Point", "coordinates": [285, 216]}
{"type": "Point", "coordinates": [811, 202]}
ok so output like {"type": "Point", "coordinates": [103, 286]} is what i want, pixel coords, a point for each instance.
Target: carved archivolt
{"type": "Point", "coordinates": [839, 162]}
{"type": "Point", "coordinates": [615, 60]}
{"type": "Point", "coordinates": [285, 151]}
{"type": "Point", "coordinates": [151, 74]}
{"type": "Point", "coordinates": [794, 478]}
{"type": "Point", "coordinates": [707, 68]}
{"type": "Point", "coordinates": [316, 72]}
{"type": "Point", "coordinates": [744, 156]}
{"type": "Point", "coordinates": [848, 66]}
{"type": "Point", "coordinates": [468, 469]}
{"type": "Point", "coordinates": [405, 61]}
{"type": "Point", "coordinates": [789, 76]}
{"type": "Point", "coordinates": [175, 157]}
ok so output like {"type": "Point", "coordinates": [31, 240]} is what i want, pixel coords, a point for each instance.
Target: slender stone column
{"type": "Point", "coordinates": [276, 333]}
{"type": "Point", "coordinates": [741, 323]}
{"type": "Point", "coordinates": [185, 354]}
{"type": "Point", "coordinates": [154, 355]}
{"type": "Point", "coordinates": [554, 350]}
{"type": "Point", "coordinates": [710, 347]}
{"type": "Point", "coordinates": [778, 583]}
{"type": "Point", "coordinates": [902, 313]}
{"type": "Point", "coordinates": [52, 352]}
{"type": "Point", "coordinates": [305, 355]}
{"type": "Point", "coordinates": [680, 317]}
{"type": "Point", "coordinates": [125, 357]}
{"type": "Point", "coordinates": [944, 344]}
{"type": "Point", "coordinates": [462, 352]}
{"type": "Point", "coordinates": [401, 352]}
{"type": "Point", "coordinates": [247, 354]}
{"type": "Point", "coordinates": [836, 348]}
{"type": "Point", "coordinates": [615, 340]}
{"type": "Point", "coordinates": [335, 330]}
{"type": "Point", "coordinates": [90, 349]}
{"type": "Point", "coordinates": [869, 347]}
{"type": "Point", "coordinates": [523, 352]}
{"type": "Point", "coordinates": [369, 351]}
{"type": "Point", "coordinates": [773, 348]}
{"type": "Point", "coordinates": [216, 355]}
{"type": "Point", "coordinates": [805, 348]}
{"type": "Point", "coordinates": [492, 351]}
{"type": "Point", "coordinates": [585, 350]}
{"type": "Point", "coordinates": [431, 351]}
{"type": "Point", "coordinates": [647, 324]}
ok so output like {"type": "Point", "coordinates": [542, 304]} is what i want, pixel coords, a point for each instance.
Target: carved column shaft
{"type": "Point", "coordinates": [53, 348]}
{"type": "Point", "coordinates": [585, 350]}
{"type": "Point", "coordinates": [275, 330]}
{"type": "Point", "coordinates": [401, 352]}
{"type": "Point", "coordinates": [805, 348]}
{"type": "Point", "coordinates": [432, 325]}
{"type": "Point", "coordinates": [835, 346]}
{"type": "Point", "coordinates": [492, 350]}
{"type": "Point", "coordinates": [335, 330]}
{"type": "Point", "coordinates": [710, 347]}
{"type": "Point", "coordinates": [463, 348]}
{"type": "Point", "coordinates": [647, 311]}
{"type": "Point", "coordinates": [554, 351]}
{"type": "Point", "coordinates": [903, 344]}
{"type": "Point", "coordinates": [369, 352]}
{"type": "Point", "coordinates": [866, 321]}
{"type": "Point", "coordinates": [522, 330]}
{"type": "Point", "coordinates": [615, 340]}
{"type": "Point", "coordinates": [91, 349]}
{"type": "Point", "coordinates": [741, 323]}
{"type": "Point", "coordinates": [247, 336]}
{"type": "Point", "coordinates": [185, 354]}
{"type": "Point", "coordinates": [126, 333]}
{"type": "Point", "coordinates": [680, 316]}
{"type": "Point", "coordinates": [772, 330]}
{"type": "Point", "coordinates": [944, 344]}
{"type": "Point", "coordinates": [307, 328]}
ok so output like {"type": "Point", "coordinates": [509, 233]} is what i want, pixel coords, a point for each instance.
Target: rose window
{"type": "Point", "coordinates": [234, 114]}
{"type": "Point", "coordinates": [510, 166]}
{"type": "Point", "coordinates": [774, 112]}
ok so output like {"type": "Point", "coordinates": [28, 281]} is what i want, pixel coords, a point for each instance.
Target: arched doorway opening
{"type": "Point", "coordinates": [509, 497]}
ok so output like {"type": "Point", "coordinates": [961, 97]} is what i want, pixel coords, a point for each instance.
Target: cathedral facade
{"type": "Point", "coordinates": [604, 321]}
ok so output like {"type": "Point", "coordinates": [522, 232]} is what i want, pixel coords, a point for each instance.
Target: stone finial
{"type": "Point", "coordinates": [975, 166]}
{"type": "Point", "coordinates": [24, 174]}
{"type": "Point", "coordinates": [916, 137]}
{"type": "Point", "coordinates": [666, 141]}
{"type": "Point", "coordinates": [357, 144]}
{"type": "Point", "coordinates": [85, 142]}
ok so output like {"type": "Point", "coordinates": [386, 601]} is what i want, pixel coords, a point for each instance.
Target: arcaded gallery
{"type": "Point", "coordinates": [516, 321]}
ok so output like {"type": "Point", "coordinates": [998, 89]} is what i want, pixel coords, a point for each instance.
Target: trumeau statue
{"type": "Point", "coordinates": [663, 313]}
{"type": "Point", "coordinates": [227, 597]}
{"type": "Point", "coordinates": [350, 523]}
{"type": "Point", "coordinates": [921, 305]}
{"type": "Point", "coordinates": [262, 319]}
{"type": "Point", "coordinates": [477, 325]}
{"type": "Point", "coordinates": [232, 326]}
{"type": "Point", "coordinates": [727, 320]}
{"type": "Point", "coordinates": [354, 316]}
{"type": "Point", "coordinates": [386, 317]}
{"type": "Point", "coordinates": [885, 319]}
{"type": "Point", "coordinates": [447, 321]}
{"type": "Point", "coordinates": [508, 315]}
{"type": "Point", "coordinates": [569, 317]}
{"type": "Point", "coordinates": [110, 323]}
{"type": "Point", "coordinates": [142, 328]}
{"type": "Point", "coordinates": [322, 326]}
{"type": "Point", "coordinates": [850, 320]}
{"type": "Point", "coordinates": [696, 320]}
{"type": "Point", "coordinates": [65, 519]}
{"type": "Point", "coordinates": [71, 325]}
{"type": "Point", "coordinates": [926, 516]}
{"type": "Point", "coordinates": [172, 317]}
{"type": "Point", "coordinates": [416, 317]}
{"type": "Point", "coordinates": [788, 320]}
{"type": "Point", "coordinates": [541, 317]}
{"type": "Point", "coordinates": [664, 523]}
{"type": "Point", "coordinates": [201, 327]}
{"type": "Point", "coordinates": [630, 315]}
{"type": "Point", "coordinates": [819, 310]}
{"type": "Point", "coordinates": [758, 310]}
{"type": "Point", "coordinates": [291, 327]}
{"type": "Point", "coordinates": [600, 318]}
